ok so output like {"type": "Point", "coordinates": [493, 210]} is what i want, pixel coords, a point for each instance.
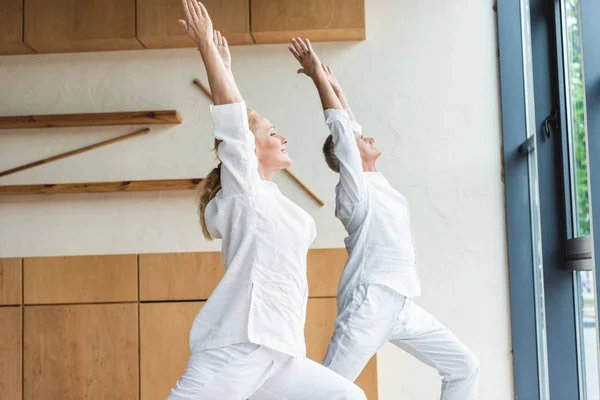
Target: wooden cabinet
{"type": "Point", "coordinates": [10, 353]}
{"type": "Point", "coordinates": [60, 26]}
{"type": "Point", "coordinates": [164, 345]}
{"type": "Point", "coordinates": [158, 26]}
{"type": "Point", "coordinates": [11, 28]}
{"type": "Point", "coordinates": [84, 279]}
{"type": "Point", "coordinates": [56, 26]}
{"type": "Point", "coordinates": [81, 352]}
{"type": "Point", "coordinates": [10, 281]}
{"type": "Point", "coordinates": [276, 21]}
{"type": "Point", "coordinates": [320, 316]}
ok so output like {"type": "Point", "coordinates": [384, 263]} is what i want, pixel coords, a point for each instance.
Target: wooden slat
{"type": "Point", "coordinates": [11, 28]}
{"type": "Point", "coordinates": [276, 21]}
{"type": "Point", "coordinates": [158, 27]}
{"type": "Point", "coordinates": [160, 117]}
{"type": "Point", "coordinates": [10, 281]}
{"type": "Point", "coordinates": [58, 26]}
{"type": "Point", "coordinates": [324, 270]}
{"type": "Point", "coordinates": [81, 352]}
{"type": "Point", "coordinates": [85, 279]}
{"type": "Point", "coordinates": [320, 316]}
{"type": "Point", "coordinates": [100, 187]}
{"type": "Point", "coordinates": [164, 345]}
{"type": "Point", "coordinates": [72, 153]}
{"type": "Point", "coordinates": [179, 276]}
{"type": "Point", "coordinates": [10, 353]}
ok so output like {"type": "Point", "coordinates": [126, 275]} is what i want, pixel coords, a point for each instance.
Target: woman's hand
{"type": "Point", "coordinates": [308, 59]}
{"type": "Point", "coordinates": [197, 23]}
{"type": "Point", "coordinates": [223, 49]}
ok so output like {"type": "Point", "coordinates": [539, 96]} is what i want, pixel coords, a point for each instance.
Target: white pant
{"type": "Point", "coordinates": [374, 314]}
{"type": "Point", "coordinates": [247, 370]}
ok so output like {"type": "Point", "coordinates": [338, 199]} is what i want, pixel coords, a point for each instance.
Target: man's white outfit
{"type": "Point", "coordinates": [380, 278]}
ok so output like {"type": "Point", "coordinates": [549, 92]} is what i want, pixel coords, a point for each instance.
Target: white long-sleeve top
{"type": "Point", "coordinates": [376, 216]}
{"type": "Point", "coordinates": [265, 238]}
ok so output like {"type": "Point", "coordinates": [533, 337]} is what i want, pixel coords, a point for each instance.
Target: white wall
{"type": "Point", "coordinates": [424, 84]}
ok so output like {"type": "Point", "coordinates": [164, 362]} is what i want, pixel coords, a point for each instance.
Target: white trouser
{"type": "Point", "coordinates": [242, 371]}
{"type": "Point", "coordinates": [374, 314]}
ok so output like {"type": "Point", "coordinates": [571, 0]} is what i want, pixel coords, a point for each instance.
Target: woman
{"type": "Point", "coordinates": [247, 341]}
{"type": "Point", "coordinates": [380, 277]}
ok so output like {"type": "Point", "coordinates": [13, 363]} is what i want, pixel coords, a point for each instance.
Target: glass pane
{"type": "Point", "coordinates": [577, 123]}
{"type": "Point", "coordinates": [578, 175]}
{"type": "Point", "coordinates": [538, 268]}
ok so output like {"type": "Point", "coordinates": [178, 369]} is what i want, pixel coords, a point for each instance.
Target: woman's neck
{"type": "Point", "coordinates": [265, 174]}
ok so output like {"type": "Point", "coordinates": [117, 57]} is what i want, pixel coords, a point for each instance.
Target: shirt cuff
{"type": "Point", "coordinates": [332, 115]}
{"type": "Point", "coordinates": [230, 116]}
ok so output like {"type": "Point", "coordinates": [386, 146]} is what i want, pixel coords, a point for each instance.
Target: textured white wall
{"type": "Point", "coordinates": [424, 84]}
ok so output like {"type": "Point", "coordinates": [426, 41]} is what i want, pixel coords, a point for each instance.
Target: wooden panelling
{"type": "Point", "coordinates": [85, 279]}
{"type": "Point", "coordinates": [320, 316]}
{"type": "Point", "coordinates": [56, 26]}
{"type": "Point", "coordinates": [10, 281]}
{"type": "Point", "coordinates": [179, 276]}
{"type": "Point", "coordinates": [324, 270]}
{"type": "Point", "coordinates": [158, 26]}
{"type": "Point", "coordinates": [164, 345]}
{"type": "Point", "coordinates": [81, 352]}
{"type": "Point", "coordinates": [11, 28]}
{"type": "Point", "coordinates": [10, 353]}
{"type": "Point", "coordinates": [275, 21]}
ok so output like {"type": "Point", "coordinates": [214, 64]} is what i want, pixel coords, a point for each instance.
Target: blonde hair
{"type": "Point", "coordinates": [211, 184]}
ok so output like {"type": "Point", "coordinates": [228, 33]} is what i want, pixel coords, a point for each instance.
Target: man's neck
{"type": "Point", "coordinates": [369, 167]}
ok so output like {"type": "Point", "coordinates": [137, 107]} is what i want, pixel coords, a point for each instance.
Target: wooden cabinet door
{"type": "Point", "coordinates": [157, 25]}
{"type": "Point", "coordinates": [276, 21]}
{"type": "Point", "coordinates": [10, 353]}
{"type": "Point", "coordinates": [81, 352]}
{"type": "Point", "coordinates": [10, 281]}
{"type": "Point", "coordinates": [164, 345]}
{"type": "Point", "coordinates": [62, 26]}
{"type": "Point", "coordinates": [81, 279]}
{"type": "Point", "coordinates": [11, 28]}
{"type": "Point", "coordinates": [179, 276]}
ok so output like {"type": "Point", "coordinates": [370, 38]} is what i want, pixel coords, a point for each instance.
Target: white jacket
{"type": "Point", "coordinates": [265, 238]}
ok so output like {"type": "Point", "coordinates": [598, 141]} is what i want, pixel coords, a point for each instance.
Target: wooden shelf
{"type": "Point", "coordinates": [96, 119]}
{"type": "Point", "coordinates": [100, 187]}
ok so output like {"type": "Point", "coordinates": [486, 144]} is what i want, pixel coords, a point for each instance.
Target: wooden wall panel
{"type": "Point", "coordinates": [179, 276]}
{"type": "Point", "coordinates": [58, 26]}
{"type": "Point", "coordinates": [164, 345]}
{"type": "Point", "coordinates": [324, 270]}
{"type": "Point", "coordinates": [85, 279]}
{"type": "Point", "coordinates": [320, 316]}
{"type": "Point", "coordinates": [11, 28]}
{"type": "Point", "coordinates": [10, 281]}
{"type": "Point", "coordinates": [157, 25]}
{"type": "Point", "coordinates": [10, 353]}
{"type": "Point", "coordinates": [275, 21]}
{"type": "Point", "coordinates": [81, 352]}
